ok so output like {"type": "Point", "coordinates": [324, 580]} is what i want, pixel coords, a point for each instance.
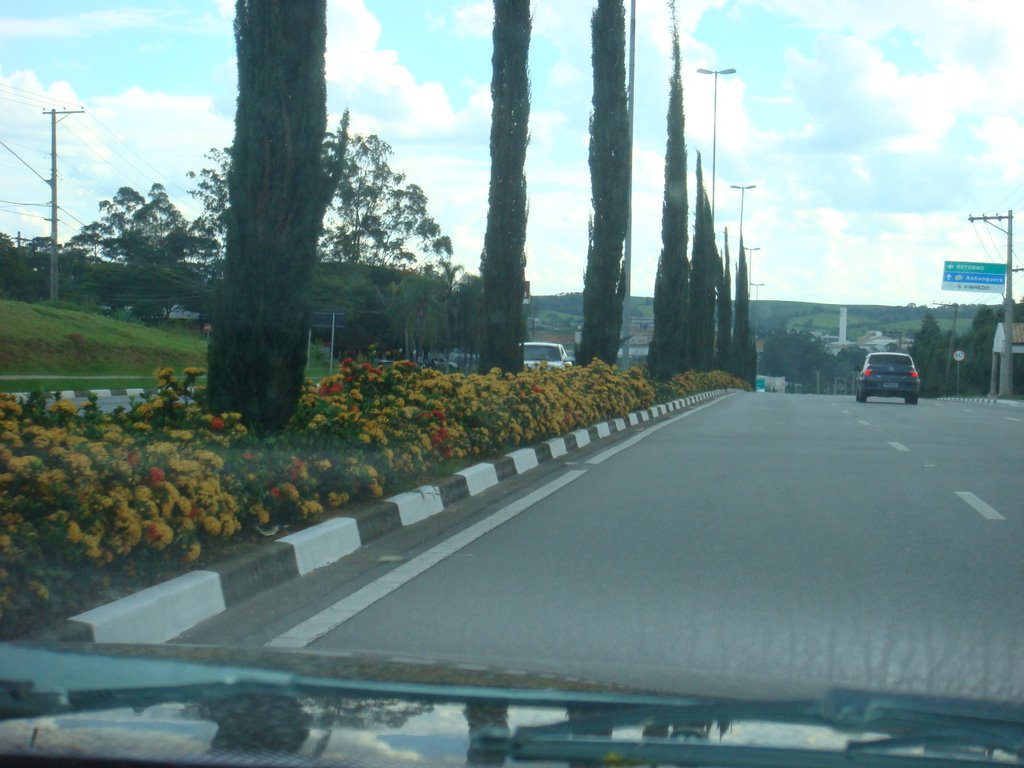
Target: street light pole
{"type": "Point", "coordinates": [757, 313]}
{"type": "Point", "coordinates": [743, 194]}
{"type": "Point", "coordinates": [750, 262]}
{"type": "Point", "coordinates": [714, 129]}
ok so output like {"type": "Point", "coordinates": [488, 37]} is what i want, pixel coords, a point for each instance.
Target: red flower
{"type": "Point", "coordinates": [217, 423]}
{"type": "Point", "coordinates": [133, 458]}
{"type": "Point", "coordinates": [152, 534]}
{"type": "Point", "coordinates": [536, 389]}
{"type": "Point", "coordinates": [194, 512]}
{"type": "Point", "coordinates": [156, 476]}
{"type": "Point", "coordinates": [275, 492]}
{"type": "Point", "coordinates": [248, 455]}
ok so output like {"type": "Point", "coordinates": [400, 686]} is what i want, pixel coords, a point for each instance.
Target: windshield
{"type": "Point", "coordinates": [541, 352]}
{"type": "Point", "coordinates": [415, 333]}
{"type": "Point", "coordinates": [880, 360]}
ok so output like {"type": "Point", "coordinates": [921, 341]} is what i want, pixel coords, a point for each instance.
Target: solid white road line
{"type": "Point", "coordinates": [899, 447]}
{"type": "Point", "coordinates": [607, 454]}
{"type": "Point", "coordinates": [979, 506]}
{"type": "Point", "coordinates": [319, 625]}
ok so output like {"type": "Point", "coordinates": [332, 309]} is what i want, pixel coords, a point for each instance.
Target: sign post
{"type": "Point", "coordinates": [959, 357]}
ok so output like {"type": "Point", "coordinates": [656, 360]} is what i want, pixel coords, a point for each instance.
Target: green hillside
{"type": "Point", "coordinates": [565, 311]}
{"type": "Point", "coordinates": [38, 339]}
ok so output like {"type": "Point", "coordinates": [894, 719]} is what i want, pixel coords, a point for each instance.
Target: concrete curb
{"type": "Point", "coordinates": [982, 401]}
{"type": "Point", "coordinates": [69, 394]}
{"type": "Point", "coordinates": [164, 611]}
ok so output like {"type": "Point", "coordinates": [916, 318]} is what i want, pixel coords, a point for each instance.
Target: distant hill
{"type": "Point", "coordinates": [563, 313]}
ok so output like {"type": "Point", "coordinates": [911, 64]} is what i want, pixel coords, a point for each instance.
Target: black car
{"type": "Point", "coordinates": [888, 374]}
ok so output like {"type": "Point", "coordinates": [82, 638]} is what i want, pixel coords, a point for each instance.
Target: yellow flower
{"type": "Point", "coordinates": [63, 406]}
{"type": "Point", "coordinates": [41, 592]}
{"type": "Point", "coordinates": [195, 548]}
{"type": "Point", "coordinates": [193, 371]}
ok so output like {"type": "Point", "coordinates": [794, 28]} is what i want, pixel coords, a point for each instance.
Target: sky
{"type": "Point", "coordinates": [870, 129]}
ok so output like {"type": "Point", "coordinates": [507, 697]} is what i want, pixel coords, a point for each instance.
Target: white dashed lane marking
{"type": "Point", "coordinates": [979, 506]}
{"type": "Point", "coordinates": [899, 447]}
{"type": "Point", "coordinates": [864, 423]}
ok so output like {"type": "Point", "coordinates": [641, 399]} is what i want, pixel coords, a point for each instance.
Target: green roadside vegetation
{"type": "Point", "coordinates": [75, 349]}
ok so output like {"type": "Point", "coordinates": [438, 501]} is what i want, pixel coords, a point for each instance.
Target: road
{"type": "Point", "coordinates": [761, 542]}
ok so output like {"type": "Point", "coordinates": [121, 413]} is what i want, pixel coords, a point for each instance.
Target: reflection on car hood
{"type": "Point", "coordinates": [191, 703]}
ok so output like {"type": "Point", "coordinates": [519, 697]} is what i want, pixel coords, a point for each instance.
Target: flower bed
{"type": "Point", "coordinates": [87, 497]}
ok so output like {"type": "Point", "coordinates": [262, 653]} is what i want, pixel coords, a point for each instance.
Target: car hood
{"type": "Point", "coordinates": [195, 704]}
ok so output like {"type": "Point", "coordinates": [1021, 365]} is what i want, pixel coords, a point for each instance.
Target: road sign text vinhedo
{"type": "Point", "coordinates": [973, 276]}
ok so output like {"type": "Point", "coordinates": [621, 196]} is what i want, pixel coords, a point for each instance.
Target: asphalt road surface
{"type": "Point", "coordinates": [757, 543]}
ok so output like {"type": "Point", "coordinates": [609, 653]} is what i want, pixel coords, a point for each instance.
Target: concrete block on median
{"type": "Point", "coordinates": [417, 505]}
{"type": "Point", "coordinates": [603, 430]}
{"type": "Point", "coordinates": [479, 478]}
{"type": "Point", "coordinates": [633, 419]}
{"type": "Point", "coordinates": [325, 543]}
{"type": "Point", "coordinates": [582, 437]}
{"type": "Point", "coordinates": [557, 446]}
{"type": "Point", "coordinates": [620, 425]}
{"type": "Point", "coordinates": [159, 613]}
{"type": "Point", "coordinates": [525, 459]}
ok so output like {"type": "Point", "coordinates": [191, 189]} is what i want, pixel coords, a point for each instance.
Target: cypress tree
{"type": "Point", "coordinates": [278, 190]}
{"type": "Point", "coordinates": [703, 282]}
{"type": "Point", "coordinates": [667, 355]}
{"type": "Point", "coordinates": [503, 262]}
{"type": "Point", "coordinates": [603, 284]}
{"type": "Point", "coordinates": [742, 344]}
{"type": "Point", "coordinates": [723, 345]}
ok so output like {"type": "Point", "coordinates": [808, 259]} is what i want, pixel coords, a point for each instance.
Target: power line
{"type": "Point", "coordinates": [25, 163]}
{"type": "Point", "coordinates": [143, 175]}
{"type": "Point", "coordinates": [132, 150]}
{"type": "Point", "coordinates": [45, 100]}
{"type": "Point", "coordinates": [15, 202]}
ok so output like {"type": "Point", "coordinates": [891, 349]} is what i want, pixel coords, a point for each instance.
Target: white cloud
{"type": "Point", "coordinates": [1003, 137]}
{"type": "Point", "coordinates": [134, 138]}
{"type": "Point", "coordinates": [81, 24]}
{"type": "Point", "coordinates": [475, 20]}
{"type": "Point", "coordinates": [390, 100]}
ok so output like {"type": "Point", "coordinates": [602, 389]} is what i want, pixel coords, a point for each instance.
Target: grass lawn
{"type": "Point", "coordinates": [37, 340]}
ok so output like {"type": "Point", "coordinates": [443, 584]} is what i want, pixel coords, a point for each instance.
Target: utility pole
{"type": "Point", "coordinates": [1006, 361]}
{"type": "Point", "coordinates": [54, 273]}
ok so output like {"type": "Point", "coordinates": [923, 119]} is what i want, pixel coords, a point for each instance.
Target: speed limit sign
{"type": "Point", "coordinates": [958, 355]}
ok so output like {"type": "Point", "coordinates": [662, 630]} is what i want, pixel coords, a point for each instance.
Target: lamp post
{"type": "Point", "coordinates": [743, 194]}
{"type": "Point", "coordinates": [714, 128]}
{"type": "Point", "coordinates": [757, 294]}
{"type": "Point", "coordinates": [750, 262]}
{"type": "Point", "coordinates": [757, 355]}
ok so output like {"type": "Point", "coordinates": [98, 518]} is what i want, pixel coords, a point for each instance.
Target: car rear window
{"type": "Point", "coordinates": [549, 354]}
{"type": "Point", "coordinates": [878, 360]}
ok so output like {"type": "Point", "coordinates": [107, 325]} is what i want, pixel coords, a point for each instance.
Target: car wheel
{"type": "Point", "coordinates": [910, 399]}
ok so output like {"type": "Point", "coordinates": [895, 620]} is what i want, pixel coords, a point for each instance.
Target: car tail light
{"type": "Point", "coordinates": [913, 374]}
{"type": "Point", "coordinates": [867, 371]}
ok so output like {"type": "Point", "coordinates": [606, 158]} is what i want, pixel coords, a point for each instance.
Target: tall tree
{"type": "Point", "coordinates": [278, 190]}
{"type": "Point", "coordinates": [667, 355]}
{"type": "Point", "coordinates": [743, 350]}
{"type": "Point", "coordinates": [703, 282]}
{"type": "Point", "coordinates": [503, 261]}
{"type": "Point", "coordinates": [603, 284]}
{"type": "Point", "coordinates": [723, 337]}
{"type": "Point", "coordinates": [376, 217]}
